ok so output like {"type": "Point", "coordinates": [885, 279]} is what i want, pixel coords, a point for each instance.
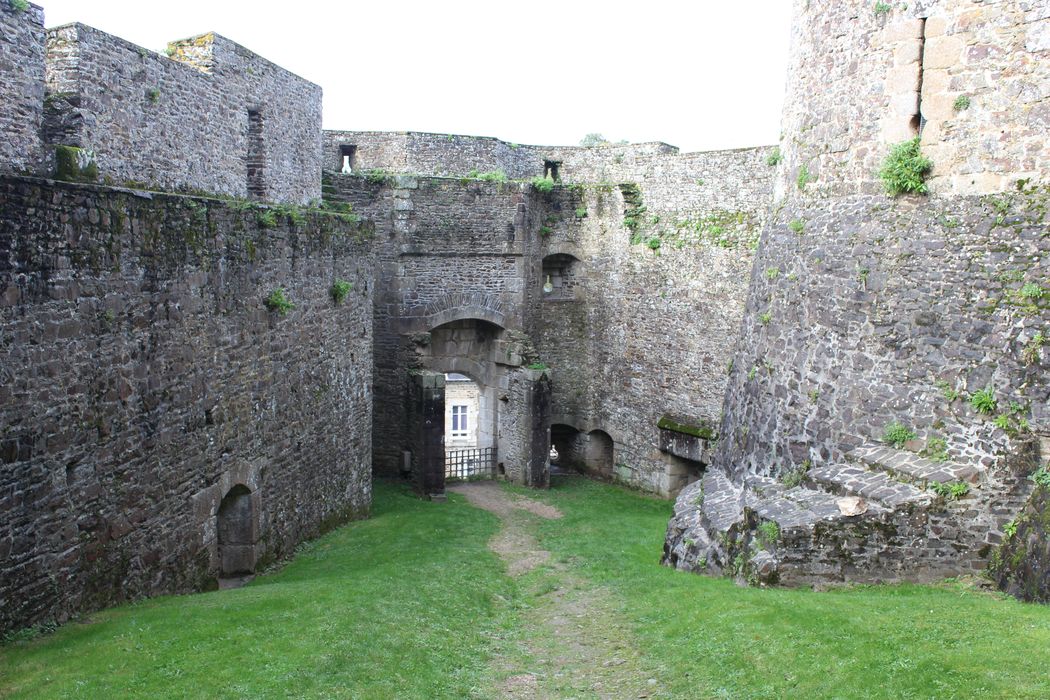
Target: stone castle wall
{"type": "Point", "coordinates": [289, 109]}
{"type": "Point", "coordinates": [142, 377]}
{"type": "Point", "coordinates": [856, 77]}
{"type": "Point", "coordinates": [866, 311]}
{"type": "Point", "coordinates": [211, 117]}
{"type": "Point", "coordinates": [21, 86]}
{"type": "Point", "coordinates": [649, 333]}
{"type": "Point", "coordinates": [446, 251]}
{"type": "Point", "coordinates": [632, 334]}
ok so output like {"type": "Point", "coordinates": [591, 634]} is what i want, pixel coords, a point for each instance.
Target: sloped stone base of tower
{"type": "Point", "coordinates": [882, 515]}
{"type": "Point", "coordinates": [868, 315]}
{"type": "Point", "coordinates": [1021, 566]}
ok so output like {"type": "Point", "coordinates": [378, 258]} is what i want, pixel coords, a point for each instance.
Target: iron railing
{"type": "Point", "coordinates": [479, 463]}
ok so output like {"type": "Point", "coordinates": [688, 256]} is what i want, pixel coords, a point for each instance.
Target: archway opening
{"type": "Point", "coordinates": [236, 533]}
{"type": "Point", "coordinates": [571, 445]}
{"type": "Point", "coordinates": [470, 424]}
{"type": "Point", "coordinates": [599, 455]}
{"type": "Point", "coordinates": [465, 352]}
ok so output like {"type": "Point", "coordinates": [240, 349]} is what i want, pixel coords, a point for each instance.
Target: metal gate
{"type": "Point", "coordinates": [468, 465]}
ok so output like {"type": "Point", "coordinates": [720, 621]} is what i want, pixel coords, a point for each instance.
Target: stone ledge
{"type": "Point", "coordinates": [911, 468]}
{"type": "Point", "coordinates": [851, 480]}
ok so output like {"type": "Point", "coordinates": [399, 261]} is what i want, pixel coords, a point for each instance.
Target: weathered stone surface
{"type": "Point", "coordinates": [853, 91]}
{"type": "Point", "coordinates": [21, 87]}
{"type": "Point", "coordinates": [619, 332]}
{"type": "Point", "coordinates": [182, 122]}
{"type": "Point", "coordinates": [142, 378]}
{"type": "Point", "coordinates": [1022, 565]}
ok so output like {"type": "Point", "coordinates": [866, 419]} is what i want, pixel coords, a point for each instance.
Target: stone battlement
{"type": "Point", "coordinates": [211, 116]}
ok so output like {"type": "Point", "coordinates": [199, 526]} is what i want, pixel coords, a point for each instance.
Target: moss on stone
{"type": "Point", "coordinates": [702, 431]}
{"type": "Point", "coordinates": [73, 164]}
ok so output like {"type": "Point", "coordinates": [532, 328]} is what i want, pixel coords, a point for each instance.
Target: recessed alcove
{"type": "Point", "coordinates": [561, 277]}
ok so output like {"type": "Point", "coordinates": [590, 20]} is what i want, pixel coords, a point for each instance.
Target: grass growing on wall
{"type": "Point", "coordinates": [412, 604]}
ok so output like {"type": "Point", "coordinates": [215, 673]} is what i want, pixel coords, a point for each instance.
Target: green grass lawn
{"type": "Point", "coordinates": [411, 604]}
{"type": "Point", "coordinates": [715, 639]}
{"type": "Point", "coordinates": [408, 604]}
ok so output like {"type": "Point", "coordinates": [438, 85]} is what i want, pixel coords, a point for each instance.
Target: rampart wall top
{"type": "Point", "coordinates": [671, 181]}
{"type": "Point", "coordinates": [244, 128]}
{"type": "Point", "coordinates": [213, 116]}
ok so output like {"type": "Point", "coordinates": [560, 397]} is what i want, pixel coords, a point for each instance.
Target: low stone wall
{"type": "Point", "coordinates": [142, 377]}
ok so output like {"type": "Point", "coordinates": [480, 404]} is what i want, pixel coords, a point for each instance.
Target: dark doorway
{"type": "Point", "coordinates": [236, 533]}
{"type": "Point", "coordinates": [551, 169]}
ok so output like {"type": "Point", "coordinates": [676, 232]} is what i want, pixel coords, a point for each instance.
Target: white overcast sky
{"type": "Point", "coordinates": [699, 74]}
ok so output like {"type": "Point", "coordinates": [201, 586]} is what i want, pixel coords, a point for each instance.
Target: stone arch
{"type": "Point", "coordinates": [570, 442]}
{"type": "Point", "coordinates": [468, 346]}
{"type": "Point", "coordinates": [455, 306]}
{"type": "Point", "coordinates": [585, 425]}
{"type": "Point", "coordinates": [564, 248]}
{"type": "Point", "coordinates": [237, 531]}
{"type": "Point", "coordinates": [600, 455]}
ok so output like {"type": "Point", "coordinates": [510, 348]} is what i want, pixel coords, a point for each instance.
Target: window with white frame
{"type": "Point", "coordinates": [459, 421]}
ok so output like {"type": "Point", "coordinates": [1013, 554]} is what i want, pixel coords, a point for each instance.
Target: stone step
{"type": "Point", "coordinates": [795, 506]}
{"type": "Point", "coordinates": [722, 506]}
{"type": "Point", "coordinates": [910, 467]}
{"type": "Point", "coordinates": [871, 484]}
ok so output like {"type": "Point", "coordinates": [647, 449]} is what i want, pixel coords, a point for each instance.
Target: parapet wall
{"type": "Point", "coordinates": [859, 79]}
{"type": "Point", "coordinates": [21, 87]}
{"type": "Point", "coordinates": [211, 117]}
{"type": "Point", "coordinates": [143, 379]}
{"type": "Point", "coordinates": [243, 128]}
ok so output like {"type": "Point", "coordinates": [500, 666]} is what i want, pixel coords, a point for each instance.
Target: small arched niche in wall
{"type": "Point", "coordinates": [237, 532]}
{"type": "Point", "coordinates": [562, 277]}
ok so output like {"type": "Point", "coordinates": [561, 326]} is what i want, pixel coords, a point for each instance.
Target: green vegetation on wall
{"type": "Point", "coordinates": [73, 164]}
{"type": "Point", "coordinates": [905, 169]}
{"type": "Point", "coordinates": [703, 431]}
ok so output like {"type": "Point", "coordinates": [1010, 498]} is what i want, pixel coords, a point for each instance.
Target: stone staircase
{"type": "Point", "coordinates": [818, 540]}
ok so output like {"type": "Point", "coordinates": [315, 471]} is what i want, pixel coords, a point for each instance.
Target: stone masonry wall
{"type": "Point", "coordinates": [415, 153]}
{"type": "Point", "coordinates": [141, 377]}
{"type": "Point", "coordinates": [21, 87]}
{"type": "Point", "coordinates": [290, 109]}
{"type": "Point", "coordinates": [182, 123]}
{"type": "Point", "coordinates": [658, 269]}
{"type": "Point", "coordinates": [875, 311]}
{"type": "Point", "coordinates": [865, 312]}
{"type": "Point", "coordinates": [650, 333]}
{"type": "Point", "coordinates": [446, 250]}
{"type": "Point", "coordinates": [856, 76]}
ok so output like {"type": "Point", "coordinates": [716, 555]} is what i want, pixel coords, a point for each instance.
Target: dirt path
{"type": "Point", "coordinates": [575, 644]}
